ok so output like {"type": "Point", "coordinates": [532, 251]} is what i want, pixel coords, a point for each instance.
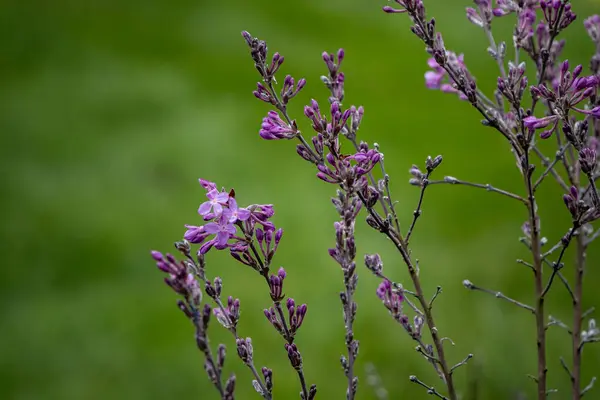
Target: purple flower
{"type": "Point", "coordinates": [592, 25]}
{"type": "Point", "coordinates": [229, 316]}
{"type": "Point", "coordinates": [260, 213]}
{"type": "Point", "coordinates": [438, 78]}
{"type": "Point", "coordinates": [433, 79]}
{"type": "Point", "coordinates": [392, 299]}
{"type": "Point", "coordinates": [215, 202]}
{"type": "Point", "coordinates": [571, 199]}
{"type": "Point", "coordinates": [505, 7]}
{"type": "Point", "coordinates": [237, 214]}
{"type": "Point", "coordinates": [483, 16]}
{"type": "Point", "coordinates": [524, 28]}
{"type": "Point", "coordinates": [195, 234]}
{"type": "Point", "coordinates": [274, 128]}
{"type": "Point", "coordinates": [208, 185]}
{"type": "Point", "coordinates": [587, 160]}
{"type": "Point", "coordinates": [222, 229]}
{"type": "Point", "coordinates": [276, 285]}
{"type": "Point", "coordinates": [532, 123]}
{"type": "Point", "coordinates": [179, 279]}
{"type": "Point", "coordinates": [557, 13]}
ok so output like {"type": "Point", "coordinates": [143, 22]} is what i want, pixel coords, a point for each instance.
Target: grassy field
{"type": "Point", "coordinates": [109, 113]}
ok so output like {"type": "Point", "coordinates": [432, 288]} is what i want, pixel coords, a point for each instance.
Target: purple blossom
{"type": "Point", "coordinates": [392, 298]}
{"type": "Point", "coordinates": [237, 214]}
{"type": "Point", "coordinates": [296, 315]}
{"type": "Point", "coordinates": [208, 185]}
{"type": "Point", "coordinates": [588, 160]}
{"type": "Point", "coordinates": [222, 229]}
{"type": "Point", "coordinates": [571, 201]}
{"type": "Point", "coordinates": [335, 81]}
{"type": "Point", "coordinates": [592, 26]}
{"type": "Point", "coordinates": [483, 15]}
{"type": "Point", "coordinates": [195, 234]}
{"type": "Point", "coordinates": [532, 123]}
{"type": "Point", "coordinates": [407, 5]}
{"type": "Point", "coordinates": [274, 128]}
{"type": "Point", "coordinates": [524, 29]}
{"type": "Point", "coordinates": [182, 282]}
{"type": "Point", "coordinates": [329, 130]}
{"type": "Point", "coordinates": [570, 89]}
{"type": "Point", "coordinates": [505, 7]}
{"type": "Point", "coordinates": [557, 13]}
{"type": "Point", "coordinates": [229, 316]}
{"type": "Point", "coordinates": [438, 78]}
{"type": "Point", "coordinates": [215, 203]}
{"type": "Point", "coordinates": [276, 285]}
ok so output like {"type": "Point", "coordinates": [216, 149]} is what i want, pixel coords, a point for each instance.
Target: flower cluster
{"type": "Point", "coordinates": [226, 218]}
{"type": "Point", "coordinates": [438, 77]}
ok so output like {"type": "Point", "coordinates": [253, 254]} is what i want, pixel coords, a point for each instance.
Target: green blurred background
{"type": "Point", "coordinates": [110, 111]}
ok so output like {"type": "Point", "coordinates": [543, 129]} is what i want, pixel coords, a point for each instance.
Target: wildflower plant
{"type": "Point", "coordinates": [560, 104]}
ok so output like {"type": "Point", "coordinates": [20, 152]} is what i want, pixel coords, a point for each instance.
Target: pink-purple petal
{"type": "Point", "coordinates": [204, 208]}
{"type": "Point", "coordinates": [211, 228]}
{"type": "Point", "coordinates": [243, 214]}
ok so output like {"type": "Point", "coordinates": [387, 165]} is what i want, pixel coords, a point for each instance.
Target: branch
{"type": "Point", "coordinates": [454, 181]}
{"type": "Point", "coordinates": [469, 285]}
{"type": "Point", "coordinates": [430, 389]}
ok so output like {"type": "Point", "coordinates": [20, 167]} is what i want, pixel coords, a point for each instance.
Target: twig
{"type": "Point", "coordinates": [427, 314]}
{"type": "Point", "coordinates": [556, 266]}
{"type": "Point", "coordinates": [454, 181]}
{"type": "Point", "coordinates": [550, 167]}
{"type": "Point", "coordinates": [438, 291]}
{"type": "Point", "coordinates": [430, 389]}
{"type": "Point", "coordinates": [463, 362]}
{"type": "Point", "coordinates": [557, 322]}
{"type": "Point", "coordinates": [589, 386]}
{"type": "Point", "coordinates": [577, 344]}
{"type": "Point", "coordinates": [546, 162]}
{"type": "Point", "coordinates": [417, 212]}
{"type": "Point", "coordinates": [566, 368]}
{"type": "Point", "coordinates": [469, 285]}
{"type": "Point", "coordinates": [559, 274]}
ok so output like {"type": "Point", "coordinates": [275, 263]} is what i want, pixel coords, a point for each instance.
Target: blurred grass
{"type": "Point", "coordinates": [109, 113]}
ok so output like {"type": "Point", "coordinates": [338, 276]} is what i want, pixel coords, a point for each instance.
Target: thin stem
{"type": "Point", "coordinates": [558, 264]}
{"type": "Point", "coordinates": [588, 387]}
{"type": "Point", "coordinates": [539, 284]}
{"type": "Point", "coordinates": [438, 291]}
{"type": "Point", "coordinates": [437, 342]}
{"type": "Point", "coordinates": [546, 163]}
{"type": "Point", "coordinates": [417, 212]}
{"type": "Point", "coordinates": [201, 333]}
{"type": "Point", "coordinates": [286, 331]}
{"type": "Point", "coordinates": [430, 389]}
{"type": "Point", "coordinates": [386, 181]}
{"type": "Point", "coordinates": [594, 190]}
{"type": "Point", "coordinates": [550, 265]}
{"type": "Point", "coordinates": [488, 32]}
{"type": "Point", "coordinates": [550, 167]}
{"type": "Point", "coordinates": [453, 181]}
{"type": "Point", "coordinates": [499, 295]}
{"type": "Point", "coordinates": [303, 383]}
{"type": "Point", "coordinates": [463, 362]}
{"type": "Point", "coordinates": [265, 392]}
{"type": "Point", "coordinates": [577, 317]}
